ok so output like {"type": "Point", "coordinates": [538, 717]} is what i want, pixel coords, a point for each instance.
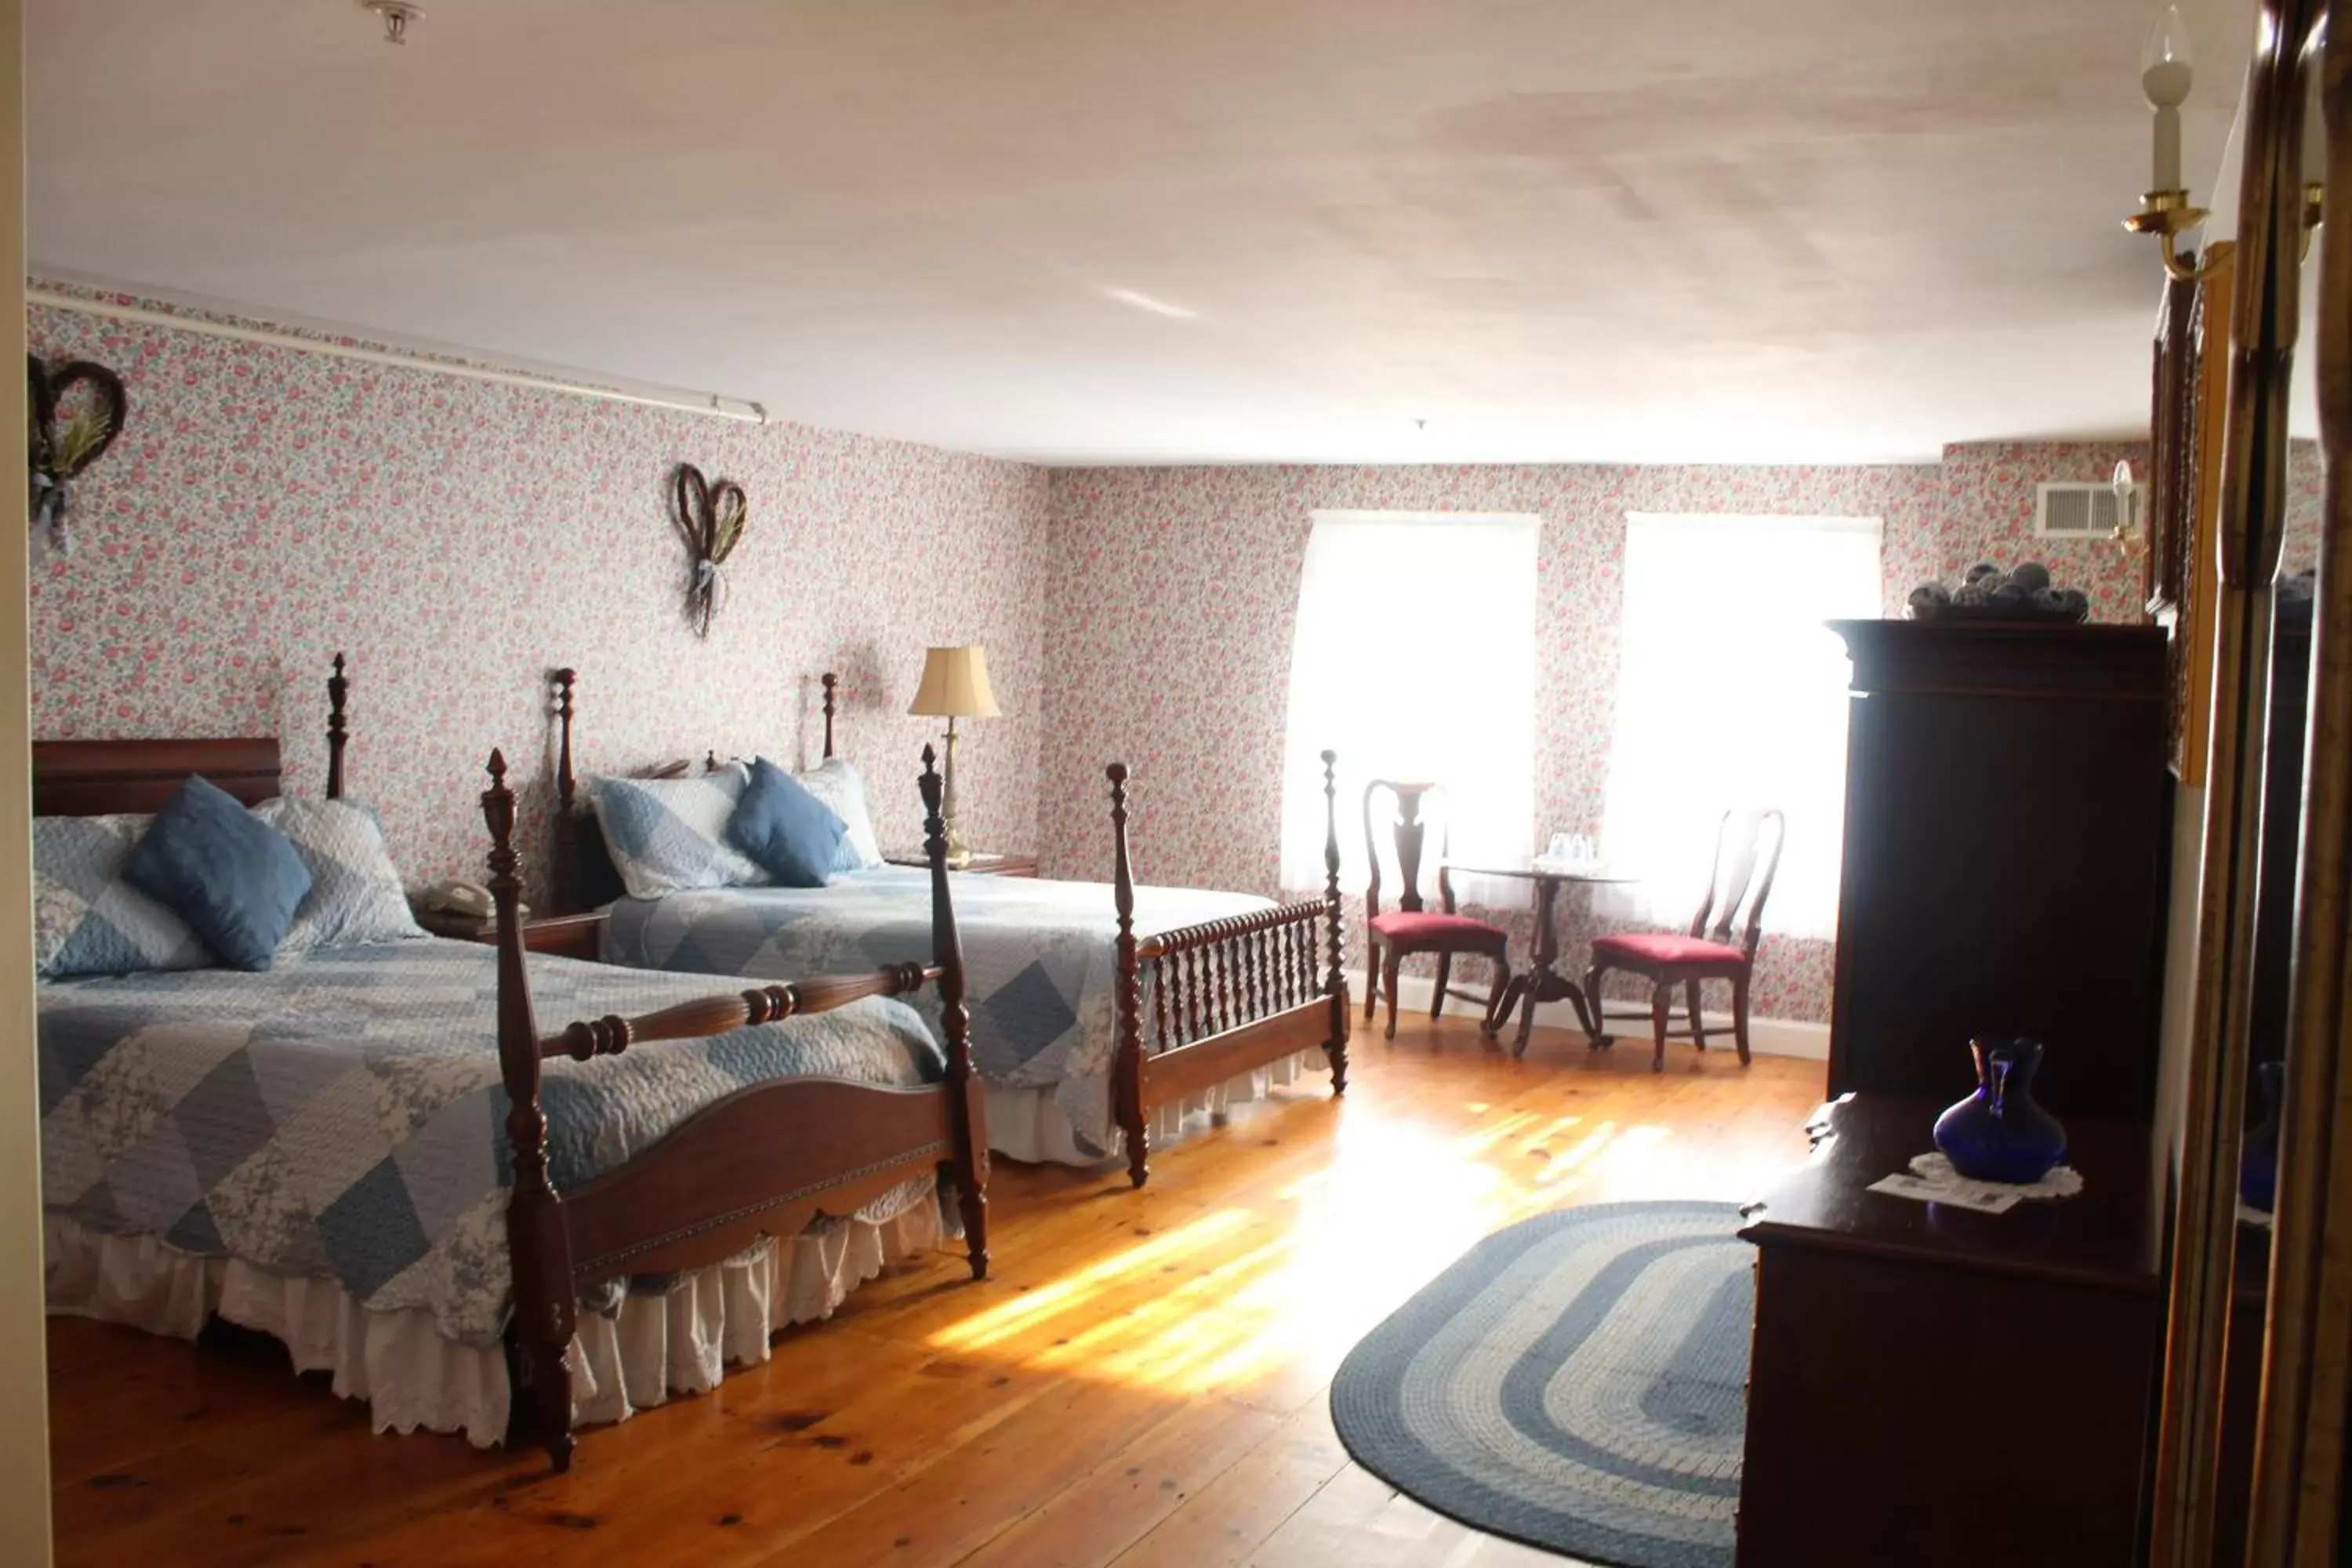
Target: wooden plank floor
{"type": "Point", "coordinates": [1142, 1382]}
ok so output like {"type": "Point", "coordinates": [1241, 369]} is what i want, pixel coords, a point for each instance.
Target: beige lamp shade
{"type": "Point", "coordinates": [955, 685]}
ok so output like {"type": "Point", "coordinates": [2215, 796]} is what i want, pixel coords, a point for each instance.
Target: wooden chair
{"type": "Point", "coordinates": [1411, 927]}
{"type": "Point", "coordinates": [1747, 856]}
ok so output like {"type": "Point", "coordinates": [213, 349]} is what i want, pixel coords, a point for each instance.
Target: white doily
{"type": "Point", "coordinates": [2060, 1182]}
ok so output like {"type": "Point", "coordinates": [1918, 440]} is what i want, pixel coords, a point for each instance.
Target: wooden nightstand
{"type": "Point", "coordinates": [981, 865]}
{"type": "Point", "coordinates": [566, 936]}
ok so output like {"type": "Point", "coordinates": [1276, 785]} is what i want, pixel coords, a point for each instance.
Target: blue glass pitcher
{"type": "Point", "coordinates": [2000, 1133]}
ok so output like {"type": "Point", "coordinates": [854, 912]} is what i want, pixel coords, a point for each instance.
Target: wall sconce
{"type": "Point", "coordinates": [2128, 537]}
{"type": "Point", "coordinates": [2165, 212]}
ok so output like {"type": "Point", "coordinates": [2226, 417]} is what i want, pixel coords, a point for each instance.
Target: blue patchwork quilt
{"type": "Point", "coordinates": [341, 1115]}
{"type": "Point", "coordinates": [1039, 961]}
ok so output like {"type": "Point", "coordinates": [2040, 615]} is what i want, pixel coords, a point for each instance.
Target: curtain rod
{"type": "Point", "coordinates": [739, 410]}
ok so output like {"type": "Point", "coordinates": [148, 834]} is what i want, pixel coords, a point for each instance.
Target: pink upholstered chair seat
{"type": "Point", "coordinates": [1747, 854]}
{"type": "Point", "coordinates": [1662, 947]}
{"type": "Point", "coordinates": [1429, 925]}
{"type": "Point", "coordinates": [1413, 928]}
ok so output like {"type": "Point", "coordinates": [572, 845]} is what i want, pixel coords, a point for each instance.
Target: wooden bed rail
{"type": "Point", "coordinates": [737, 1169]}
{"type": "Point", "coordinates": [1223, 973]}
{"type": "Point", "coordinates": [1185, 939]}
{"type": "Point", "coordinates": [613, 1033]}
{"type": "Point", "coordinates": [1227, 996]}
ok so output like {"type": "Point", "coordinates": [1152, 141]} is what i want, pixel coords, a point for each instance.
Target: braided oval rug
{"type": "Point", "coordinates": [1575, 1382]}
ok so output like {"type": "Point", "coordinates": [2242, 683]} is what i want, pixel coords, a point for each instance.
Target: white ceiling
{"type": "Point", "coordinates": [1709, 230]}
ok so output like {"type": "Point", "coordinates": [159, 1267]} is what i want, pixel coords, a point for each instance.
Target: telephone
{"type": "Point", "coordinates": [460, 898]}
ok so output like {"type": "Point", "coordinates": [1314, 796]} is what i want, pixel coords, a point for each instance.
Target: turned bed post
{"type": "Point", "coordinates": [830, 681]}
{"type": "Point", "coordinates": [337, 731]}
{"type": "Point", "coordinates": [537, 1241]}
{"type": "Point", "coordinates": [1335, 980]}
{"type": "Point", "coordinates": [565, 875]}
{"type": "Point", "coordinates": [1127, 994]}
{"type": "Point", "coordinates": [566, 785]}
{"type": "Point", "coordinates": [966, 1101]}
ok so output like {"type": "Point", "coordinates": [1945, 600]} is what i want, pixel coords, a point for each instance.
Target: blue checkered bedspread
{"type": "Point", "coordinates": [1039, 960]}
{"type": "Point", "coordinates": [341, 1115]}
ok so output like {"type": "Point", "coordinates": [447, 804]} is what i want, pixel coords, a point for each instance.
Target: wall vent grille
{"type": "Point", "coordinates": [2084, 511]}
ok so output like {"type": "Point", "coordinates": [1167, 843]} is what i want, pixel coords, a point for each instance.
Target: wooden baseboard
{"type": "Point", "coordinates": [1766, 1037]}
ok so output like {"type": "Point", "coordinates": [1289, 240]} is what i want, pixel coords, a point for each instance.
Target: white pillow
{"type": "Point", "coordinates": [666, 835]}
{"type": "Point", "coordinates": [836, 784]}
{"type": "Point", "coordinates": [86, 919]}
{"type": "Point", "coordinates": [355, 893]}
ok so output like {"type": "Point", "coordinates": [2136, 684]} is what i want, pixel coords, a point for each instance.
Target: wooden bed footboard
{"type": "Point", "coordinates": [763, 1161]}
{"type": "Point", "coordinates": [1226, 995]}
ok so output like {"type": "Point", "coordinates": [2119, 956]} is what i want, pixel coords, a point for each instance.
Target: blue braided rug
{"type": "Point", "coordinates": [1574, 1382]}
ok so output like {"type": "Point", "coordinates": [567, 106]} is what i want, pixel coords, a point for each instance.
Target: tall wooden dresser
{"type": "Point", "coordinates": [2008, 828]}
{"type": "Point", "coordinates": [1929, 1386]}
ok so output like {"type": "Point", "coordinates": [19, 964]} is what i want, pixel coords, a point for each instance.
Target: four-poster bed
{"type": "Point", "coordinates": [1176, 999]}
{"type": "Point", "coordinates": [773, 1107]}
{"type": "Point", "coordinates": [764, 1161]}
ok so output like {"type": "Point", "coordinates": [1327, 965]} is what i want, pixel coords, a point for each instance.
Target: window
{"type": "Point", "coordinates": [1415, 659]}
{"type": "Point", "coordinates": [1731, 692]}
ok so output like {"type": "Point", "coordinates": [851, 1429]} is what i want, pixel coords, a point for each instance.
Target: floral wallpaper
{"type": "Point", "coordinates": [1173, 590]}
{"type": "Point", "coordinates": [266, 507]}
{"type": "Point", "coordinates": [2306, 478]}
{"type": "Point", "coordinates": [1985, 497]}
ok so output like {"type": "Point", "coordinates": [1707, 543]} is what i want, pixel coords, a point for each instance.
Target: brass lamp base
{"type": "Point", "coordinates": [958, 852]}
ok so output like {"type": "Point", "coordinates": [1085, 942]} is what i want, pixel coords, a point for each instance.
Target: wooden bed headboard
{"type": "Point", "coordinates": [97, 778]}
{"type": "Point", "coordinates": [582, 874]}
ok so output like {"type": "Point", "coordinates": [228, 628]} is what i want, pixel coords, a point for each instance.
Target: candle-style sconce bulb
{"type": "Point", "coordinates": [2165, 75]}
{"type": "Point", "coordinates": [2165, 64]}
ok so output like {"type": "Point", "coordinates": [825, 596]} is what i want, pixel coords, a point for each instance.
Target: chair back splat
{"type": "Point", "coordinates": [1412, 808]}
{"type": "Point", "coordinates": [1746, 858]}
{"type": "Point", "coordinates": [1414, 927]}
{"type": "Point", "coordinates": [1720, 944]}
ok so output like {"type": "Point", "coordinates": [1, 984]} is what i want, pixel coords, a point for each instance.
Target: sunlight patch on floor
{"type": "Point", "coordinates": [1076, 1289]}
{"type": "Point", "coordinates": [1252, 1291]}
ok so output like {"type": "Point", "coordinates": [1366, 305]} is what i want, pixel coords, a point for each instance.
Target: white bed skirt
{"type": "Point", "coordinates": [680, 1342]}
{"type": "Point", "coordinates": [1026, 1124]}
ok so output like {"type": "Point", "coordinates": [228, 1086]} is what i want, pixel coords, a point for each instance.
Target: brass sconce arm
{"type": "Point", "coordinates": [2167, 215]}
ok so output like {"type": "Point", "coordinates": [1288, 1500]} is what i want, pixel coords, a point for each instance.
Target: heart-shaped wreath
{"type": "Point", "coordinates": [62, 453]}
{"type": "Point", "coordinates": [711, 518]}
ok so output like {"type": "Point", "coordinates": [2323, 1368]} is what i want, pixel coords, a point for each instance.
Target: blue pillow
{"type": "Point", "coordinates": [792, 835]}
{"type": "Point", "coordinates": [235, 879]}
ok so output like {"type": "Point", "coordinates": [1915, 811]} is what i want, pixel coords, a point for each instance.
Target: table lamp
{"type": "Point", "coordinates": [955, 686]}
